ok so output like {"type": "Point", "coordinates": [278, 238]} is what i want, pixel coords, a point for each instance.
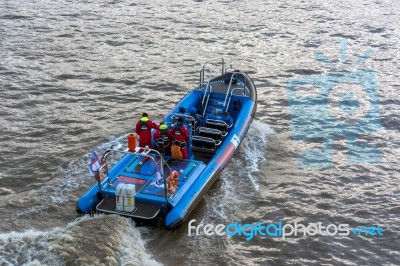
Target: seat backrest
{"type": "Point", "coordinates": [212, 133]}
{"type": "Point", "coordinates": [217, 124]}
{"type": "Point", "coordinates": [205, 145]}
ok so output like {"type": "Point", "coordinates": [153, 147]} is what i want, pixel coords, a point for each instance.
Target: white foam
{"type": "Point", "coordinates": [6, 190]}
{"type": "Point", "coordinates": [23, 248]}
{"type": "Point", "coordinates": [241, 172]}
{"type": "Point", "coordinates": [254, 148]}
{"type": "Point", "coordinates": [76, 174]}
{"type": "Point", "coordinates": [110, 239]}
{"type": "Point", "coordinates": [135, 254]}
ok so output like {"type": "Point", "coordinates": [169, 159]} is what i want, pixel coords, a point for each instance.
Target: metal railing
{"type": "Point", "coordinates": [230, 97]}
{"type": "Point", "coordinates": [231, 67]}
{"type": "Point", "coordinates": [188, 118]}
{"type": "Point", "coordinates": [202, 77]}
{"type": "Point", "coordinates": [229, 91]}
{"type": "Point", "coordinates": [207, 85]}
{"type": "Point", "coordinates": [213, 60]}
{"type": "Point", "coordinates": [145, 153]}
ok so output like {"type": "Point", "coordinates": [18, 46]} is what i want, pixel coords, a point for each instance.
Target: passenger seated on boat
{"type": "Point", "coordinates": [181, 134]}
{"type": "Point", "coordinates": [182, 110]}
{"type": "Point", "coordinates": [143, 129]}
{"type": "Point", "coordinates": [212, 116]}
{"type": "Point", "coordinates": [163, 137]}
{"type": "Point", "coordinates": [227, 119]}
{"type": "Point", "coordinates": [193, 113]}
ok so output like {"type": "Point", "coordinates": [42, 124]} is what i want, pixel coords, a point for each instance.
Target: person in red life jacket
{"type": "Point", "coordinates": [181, 134]}
{"type": "Point", "coordinates": [163, 138]}
{"type": "Point", "coordinates": [143, 129]}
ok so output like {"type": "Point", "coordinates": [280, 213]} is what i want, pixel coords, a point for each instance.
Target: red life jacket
{"type": "Point", "coordinates": [178, 131]}
{"type": "Point", "coordinates": [164, 132]}
{"type": "Point", "coordinates": [144, 126]}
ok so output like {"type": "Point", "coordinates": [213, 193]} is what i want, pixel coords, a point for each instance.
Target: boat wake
{"type": "Point", "coordinates": [253, 149]}
{"type": "Point", "coordinates": [109, 240]}
{"type": "Point", "coordinates": [239, 180]}
{"type": "Point", "coordinates": [77, 174]}
{"type": "Point", "coordinates": [31, 208]}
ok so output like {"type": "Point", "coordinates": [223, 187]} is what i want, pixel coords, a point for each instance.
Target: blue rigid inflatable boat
{"type": "Point", "coordinates": [166, 189]}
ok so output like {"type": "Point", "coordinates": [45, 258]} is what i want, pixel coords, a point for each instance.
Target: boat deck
{"type": "Point", "coordinates": [222, 87]}
{"type": "Point", "coordinates": [150, 196]}
{"type": "Point", "coordinates": [142, 211]}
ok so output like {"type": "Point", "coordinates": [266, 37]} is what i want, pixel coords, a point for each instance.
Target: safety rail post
{"type": "Point", "coordinates": [201, 78]}
{"type": "Point", "coordinates": [205, 105]}
{"type": "Point", "coordinates": [106, 154]}
{"type": "Point", "coordinates": [215, 59]}
{"type": "Point", "coordinates": [231, 67]}
{"type": "Point", "coordinates": [104, 158]}
{"type": "Point", "coordinates": [206, 91]}
{"type": "Point", "coordinates": [229, 92]}
{"type": "Point", "coordinates": [229, 89]}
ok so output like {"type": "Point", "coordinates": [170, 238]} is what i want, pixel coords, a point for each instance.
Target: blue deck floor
{"type": "Point", "coordinates": [141, 172]}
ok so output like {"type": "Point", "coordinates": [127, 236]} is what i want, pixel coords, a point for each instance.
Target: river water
{"type": "Point", "coordinates": [76, 75]}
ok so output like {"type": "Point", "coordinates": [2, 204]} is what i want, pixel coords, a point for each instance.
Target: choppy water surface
{"type": "Point", "coordinates": [75, 76]}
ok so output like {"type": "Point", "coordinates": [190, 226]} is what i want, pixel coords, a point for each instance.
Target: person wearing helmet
{"type": "Point", "coordinates": [180, 134]}
{"type": "Point", "coordinates": [182, 110]}
{"type": "Point", "coordinates": [163, 138]}
{"type": "Point", "coordinates": [143, 129]}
